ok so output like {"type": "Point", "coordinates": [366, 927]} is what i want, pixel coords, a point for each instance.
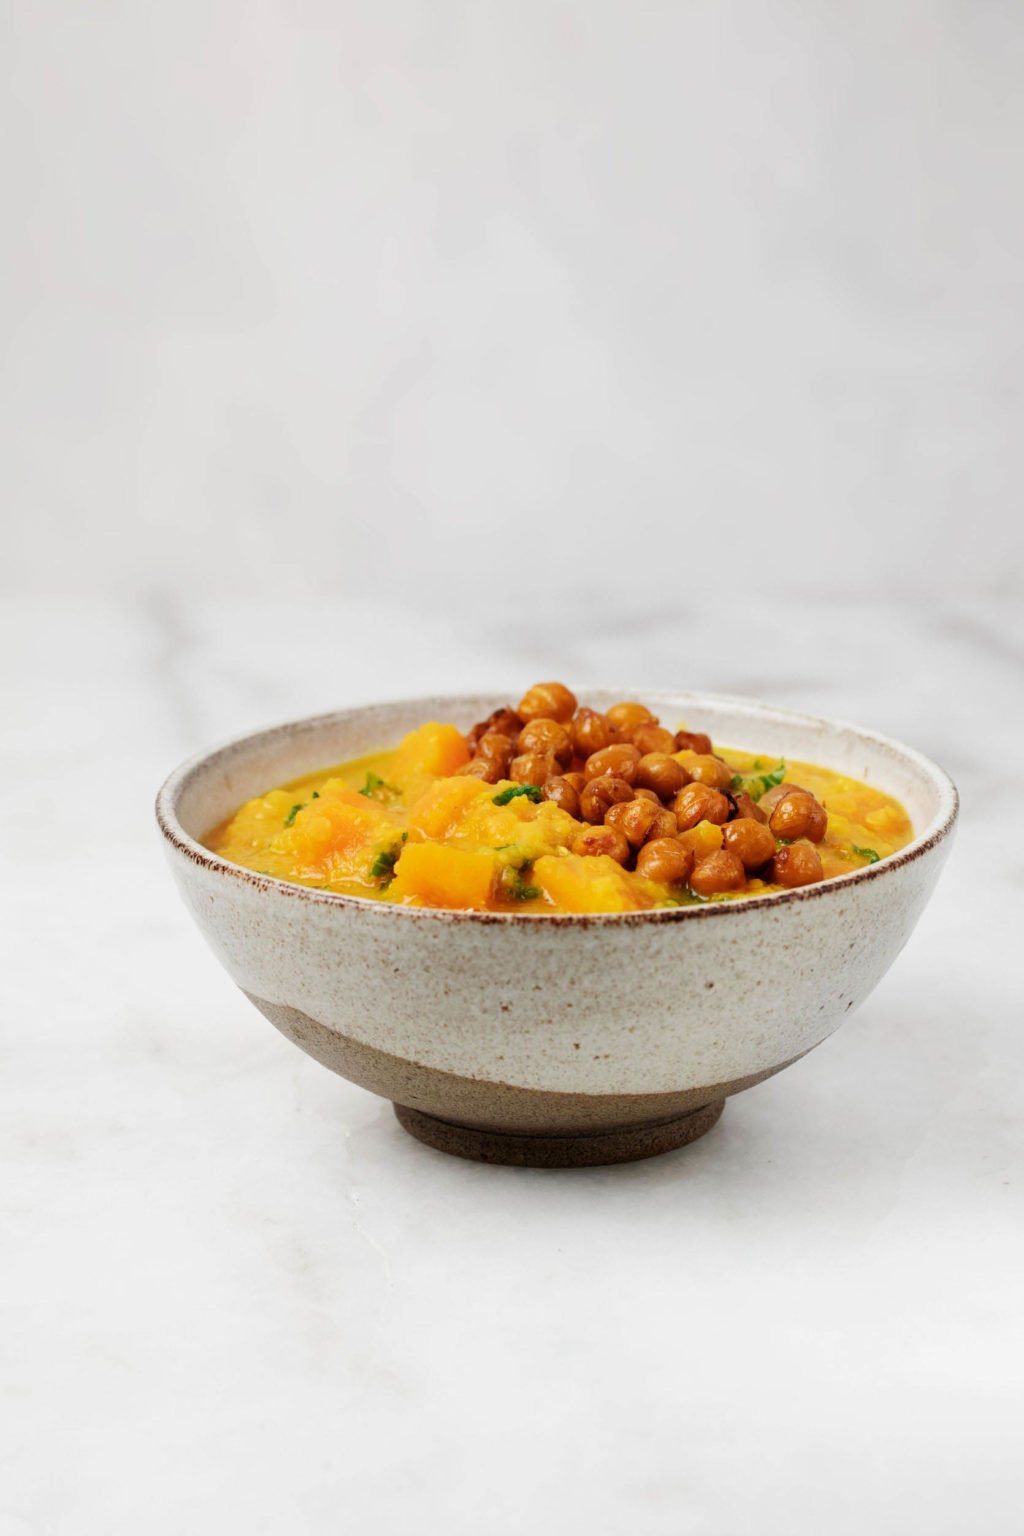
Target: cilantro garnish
{"type": "Point", "coordinates": [773, 780]}
{"type": "Point", "coordinates": [758, 784]}
{"type": "Point", "coordinates": [513, 883]}
{"type": "Point", "coordinates": [377, 788]}
{"type": "Point", "coordinates": [293, 813]}
{"type": "Point", "coordinates": [383, 866]}
{"type": "Point", "coordinates": [866, 853]}
{"type": "Point", "coordinates": [531, 791]}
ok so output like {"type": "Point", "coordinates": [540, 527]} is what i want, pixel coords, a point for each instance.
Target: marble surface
{"type": "Point", "coordinates": [361, 350]}
{"type": "Point", "coordinates": [236, 1297]}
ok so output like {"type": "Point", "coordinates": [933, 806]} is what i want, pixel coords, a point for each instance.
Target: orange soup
{"type": "Point", "coordinates": [550, 807]}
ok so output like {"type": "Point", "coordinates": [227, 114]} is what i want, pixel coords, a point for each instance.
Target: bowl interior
{"type": "Point", "coordinates": [207, 789]}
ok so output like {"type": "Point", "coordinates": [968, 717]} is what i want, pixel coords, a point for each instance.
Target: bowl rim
{"type": "Point", "coordinates": [939, 828]}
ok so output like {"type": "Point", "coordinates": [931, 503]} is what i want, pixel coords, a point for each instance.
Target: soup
{"type": "Point", "coordinates": [552, 807]}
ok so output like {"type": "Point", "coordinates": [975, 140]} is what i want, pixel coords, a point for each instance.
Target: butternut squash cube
{"type": "Point", "coordinates": [704, 838]}
{"type": "Point", "coordinates": [437, 875]}
{"type": "Point", "coordinates": [431, 751]}
{"type": "Point", "coordinates": [338, 835]}
{"type": "Point", "coordinates": [442, 809]}
{"type": "Point", "coordinates": [598, 884]}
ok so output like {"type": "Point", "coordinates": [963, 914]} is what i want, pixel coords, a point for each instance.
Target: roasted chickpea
{"type": "Point", "coordinates": [547, 736]}
{"type": "Point", "coordinates": [532, 768]}
{"type": "Point", "coordinates": [770, 799]}
{"type": "Point", "coordinates": [647, 794]}
{"type": "Point", "coordinates": [745, 806]}
{"type": "Point", "coordinates": [602, 793]}
{"type": "Point", "coordinates": [640, 821]}
{"type": "Point", "coordinates": [505, 721]}
{"type": "Point", "coordinates": [662, 774]}
{"type": "Point", "coordinates": [693, 741]}
{"type": "Point", "coordinates": [591, 732]}
{"type": "Point", "coordinates": [652, 738]}
{"type": "Point", "coordinates": [798, 814]}
{"type": "Point", "coordinates": [750, 840]}
{"type": "Point", "coordinates": [699, 802]}
{"type": "Point", "coordinates": [591, 841]}
{"type": "Point", "coordinates": [665, 860]}
{"type": "Point", "coordinates": [482, 768]}
{"type": "Point", "coordinates": [620, 760]}
{"type": "Point", "coordinates": [563, 794]}
{"type": "Point", "coordinates": [707, 769]}
{"type": "Point", "coordinates": [576, 780]}
{"type": "Point", "coordinates": [797, 864]}
{"type": "Point", "coordinates": [547, 701]}
{"type": "Point", "coordinates": [496, 748]}
{"type": "Point", "coordinates": [664, 825]}
{"type": "Point", "coordinates": [721, 871]}
{"type": "Point", "coordinates": [626, 717]}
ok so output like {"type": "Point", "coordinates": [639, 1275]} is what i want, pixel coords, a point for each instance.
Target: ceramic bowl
{"type": "Point", "coordinates": [569, 1039]}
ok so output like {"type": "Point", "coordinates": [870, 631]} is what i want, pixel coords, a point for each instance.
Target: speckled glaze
{"type": "Point", "coordinates": [565, 1039]}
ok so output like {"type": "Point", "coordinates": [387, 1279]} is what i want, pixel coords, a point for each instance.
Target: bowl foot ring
{"type": "Point", "coordinates": [582, 1149]}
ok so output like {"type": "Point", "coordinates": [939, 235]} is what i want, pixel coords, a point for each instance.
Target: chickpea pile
{"type": "Point", "coordinates": [619, 775]}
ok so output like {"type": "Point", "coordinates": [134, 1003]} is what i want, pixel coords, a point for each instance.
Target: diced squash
{"type": "Point", "coordinates": [594, 884]}
{"type": "Point", "coordinates": [258, 822]}
{"type": "Point", "coordinates": [437, 875]}
{"type": "Point", "coordinates": [432, 751]}
{"type": "Point", "coordinates": [532, 829]}
{"type": "Point", "coordinates": [442, 808]}
{"type": "Point", "coordinates": [463, 808]}
{"type": "Point", "coordinates": [338, 834]}
{"type": "Point", "coordinates": [704, 838]}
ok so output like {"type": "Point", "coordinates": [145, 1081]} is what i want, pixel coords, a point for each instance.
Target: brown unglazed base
{"type": "Point", "coordinates": [506, 1113]}
{"type": "Point", "coordinates": [581, 1149]}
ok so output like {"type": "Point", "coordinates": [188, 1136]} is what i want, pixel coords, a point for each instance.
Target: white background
{"type": "Point", "coordinates": [364, 349]}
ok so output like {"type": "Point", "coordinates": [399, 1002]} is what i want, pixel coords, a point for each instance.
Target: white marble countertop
{"type": "Point", "coordinates": [236, 1297]}
{"type": "Point", "coordinates": [688, 335]}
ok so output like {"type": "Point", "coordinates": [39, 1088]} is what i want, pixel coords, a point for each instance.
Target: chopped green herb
{"type": "Point", "coordinates": [316, 794]}
{"type": "Point", "coordinates": [772, 780]}
{"type": "Point", "coordinates": [758, 784]}
{"type": "Point", "coordinates": [514, 886]}
{"type": "Point", "coordinates": [377, 788]}
{"type": "Point", "coordinates": [383, 866]}
{"type": "Point", "coordinates": [293, 813]}
{"type": "Point", "coordinates": [866, 853]}
{"type": "Point", "coordinates": [531, 791]}
{"type": "Point", "coordinates": [758, 764]}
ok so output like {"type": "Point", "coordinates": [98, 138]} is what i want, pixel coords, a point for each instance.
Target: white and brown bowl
{"type": "Point", "coordinates": [569, 1039]}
